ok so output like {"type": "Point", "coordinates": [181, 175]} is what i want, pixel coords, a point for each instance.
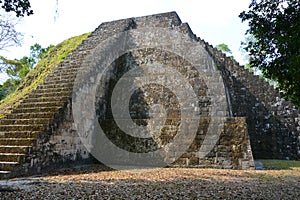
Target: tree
{"type": "Point", "coordinates": [37, 52]}
{"type": "Point", "coordinates": [17, 69]}
{"type": "Point", "coordinates": [275, 49]}
{"type": "Point", "coordinates": [8, 34]}
{"type": "Point", "coordinates": [224, 48]}
{"type": "Point", "coordinates": [20, 7]}
{"type": "Point", "coordinates": [8, 87]}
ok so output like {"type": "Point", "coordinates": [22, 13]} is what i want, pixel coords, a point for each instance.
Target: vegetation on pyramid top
{"type": "Point", "coordinates": [36, 76]}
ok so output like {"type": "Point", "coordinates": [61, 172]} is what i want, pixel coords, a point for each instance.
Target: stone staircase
{"type": "Point", "coordinates": [20, 130]}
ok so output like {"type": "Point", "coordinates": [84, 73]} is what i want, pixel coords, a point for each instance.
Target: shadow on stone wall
{"type": "Point", "coordinates": [270, 136]}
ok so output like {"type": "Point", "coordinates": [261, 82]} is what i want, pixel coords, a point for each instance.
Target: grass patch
{"type": "Point", "coordinates": [36, 76]}
{"type": "Point", "coordinates": [281, 164]}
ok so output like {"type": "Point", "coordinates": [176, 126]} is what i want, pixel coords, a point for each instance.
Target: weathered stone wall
{"type": "Point", "coordinates": [232, 151]}
{"type": "Point", "coordinates": [273, 123]}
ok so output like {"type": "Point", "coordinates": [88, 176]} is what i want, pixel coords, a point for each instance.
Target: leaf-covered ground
{"type": "Point", "coordinates": [168, 183]}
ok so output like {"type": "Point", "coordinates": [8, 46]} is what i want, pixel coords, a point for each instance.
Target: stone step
{"type": "Point", "coordinates": [63, 73]}
{"type": "Point", "coordinates": [64, 70]}
{"type": "Point", "coordinates": [11, 157]}
{"type": "Point", "coordinates": [4, 174]}
{"type": "Point", "coordinates": [41, 104]}
{"type": "Point", "coordinates": [17, 141]}
{"type": "Point", "coordinates": [24, 121]}
{"type": "Point", "coordinates": [62, 78]}
{"type": "Point", "coordinates": [20, 134]}
{"type": "Point", "coordinates": [14, 149]}
{"type": "Point", "coordinates": [56, 85]}
{"type": "Point", "coordinates": [7, 166]}
{"type": "Point", "coordinates": [52, 90]}
{"type": "Point", "coordinates": [69, 64]}
{"type": "Point", "coordinates": [39, 115]}
{"type": "Point", "coordinates": [52, 109]}
{"type": "Point", "coordinates": [36, 127]}
{"type": "Point", "coordinates": [53, 78]}
{"type": "Point", "coordinates": [59, 81]}
{"type": "Point", "coordinates": [50, 94]}
{"type": "Point", "coordinates": [53, 98]}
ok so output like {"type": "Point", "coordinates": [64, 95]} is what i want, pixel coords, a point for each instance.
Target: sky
{"type": "Point", "coordinates": [215, 21]}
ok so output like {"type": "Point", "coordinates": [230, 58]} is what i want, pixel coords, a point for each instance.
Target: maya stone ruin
{"type": "Point", "coordinates": [146, 91]}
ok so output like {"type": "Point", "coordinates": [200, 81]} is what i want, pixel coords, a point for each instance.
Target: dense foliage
{"type": "Point", "coordinates": [20, 7]}
{"type": "Point", "coordinates": [275, 49]}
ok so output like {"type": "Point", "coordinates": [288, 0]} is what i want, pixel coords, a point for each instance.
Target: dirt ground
{"type": "Point", "coordinates": [168, 183]}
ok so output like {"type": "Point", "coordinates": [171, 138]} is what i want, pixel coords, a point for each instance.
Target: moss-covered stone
{"type": "Point", "coordinates": [37, 75]}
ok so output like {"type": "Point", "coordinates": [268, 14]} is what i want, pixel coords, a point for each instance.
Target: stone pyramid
{"type": "Point", "coordinates": [146, 91]}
